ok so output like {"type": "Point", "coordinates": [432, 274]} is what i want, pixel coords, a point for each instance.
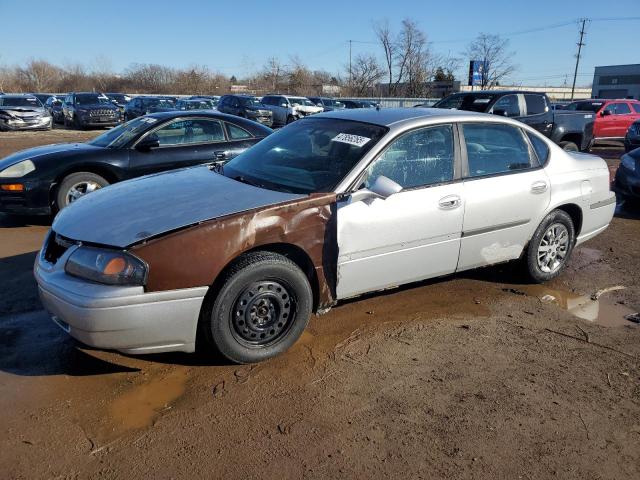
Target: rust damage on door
{"type": "Point", "coordinates": [195, 256]}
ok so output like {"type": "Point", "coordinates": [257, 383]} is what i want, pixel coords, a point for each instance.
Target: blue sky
{"type": "Point", "coordinates": [236, 37]}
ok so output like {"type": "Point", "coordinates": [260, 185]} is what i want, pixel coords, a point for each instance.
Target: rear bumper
{"type": "Point", "coordinates": [121, 318]}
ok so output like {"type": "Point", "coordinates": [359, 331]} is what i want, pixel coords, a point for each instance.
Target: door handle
{"type": "Point", "coordinates": [220, 155]}
{"type": "Point", "coordinates": [539, 187]}
{"type": "Point", "coordinates": [449, 202]}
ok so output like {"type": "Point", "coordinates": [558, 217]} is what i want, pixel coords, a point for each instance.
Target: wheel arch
{"type": "Point", "coordinates": [109, 174]}
{"type": "Point", "coordinates": [575, 212]}
{"type": "Point", "coordinates": [293, 252]}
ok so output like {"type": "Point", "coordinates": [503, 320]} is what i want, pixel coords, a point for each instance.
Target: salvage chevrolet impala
{"type": "Point", "coordinates": [330, 207]}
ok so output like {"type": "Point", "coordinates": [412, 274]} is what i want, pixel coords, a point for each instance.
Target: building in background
{"type": "Point", "coordinates": [616, 81]}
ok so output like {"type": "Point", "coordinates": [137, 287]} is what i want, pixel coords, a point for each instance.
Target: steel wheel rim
{"type": "Point", "coordinates": [262, 313]}
{"type": "Point", "coordinates": [553, 248]}
{"type": "Point", "coordinates": [81, 189]}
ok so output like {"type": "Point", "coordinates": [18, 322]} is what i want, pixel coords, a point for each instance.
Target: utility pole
{"type": "Point", "coordinates": [350, 75]}
{"type": "Point", "coordinates": [580, 45]}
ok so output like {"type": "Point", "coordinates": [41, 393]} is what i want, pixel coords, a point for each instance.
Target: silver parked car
{"type": "Point", "coordinates": [330, 207]}
{"type": "Point", "coordinates": [23, 112]}
{"type": "Point", "coordinates": [287, 108]}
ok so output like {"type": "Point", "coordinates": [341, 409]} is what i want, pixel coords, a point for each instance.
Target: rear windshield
{"type": "Point", "coordinates": [466, 101]}
{"type": "Point", "coordinates": [6, 101]}
{"type": "Point", "coordinates": [585, 106]}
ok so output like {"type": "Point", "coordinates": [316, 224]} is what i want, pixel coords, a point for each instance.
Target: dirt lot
{"type": "Point", "coordinates": [472, 376]}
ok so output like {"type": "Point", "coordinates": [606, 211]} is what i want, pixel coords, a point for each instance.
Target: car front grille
{"type": "Point", "coordinates": [55, 246]}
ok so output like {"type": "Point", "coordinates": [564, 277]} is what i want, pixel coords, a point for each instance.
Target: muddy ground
{"type": "Point", "coordinates": [473, 376]}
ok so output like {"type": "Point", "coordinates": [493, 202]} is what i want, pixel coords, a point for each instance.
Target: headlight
{"type": "Point", "coordinates": [629, 162]}
{"type": "Point", "coordinates": [18, 170]}
{"type": "Point", "coordinates": [106, 266]}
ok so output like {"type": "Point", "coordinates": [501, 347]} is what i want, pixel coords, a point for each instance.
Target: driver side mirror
{"type": "Point", "coordinates": [148, 143]}
{"type": "Point", "coordinates": [500, 112]}
{"type": "Point", "coordinates": [604, 113]}
{"type": "Point", "coordinates": [382, 188]}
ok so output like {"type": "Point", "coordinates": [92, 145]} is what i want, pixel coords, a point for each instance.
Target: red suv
{"type": "Point", "coordinates": [613, 117]}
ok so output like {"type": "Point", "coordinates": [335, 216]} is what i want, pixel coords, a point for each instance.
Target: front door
{"type": "Point", "coordinates": [183, 142]}
{"type": "Point", "coordinates": [413, 234]}
{"type": "Point", "coordinates": [615, 122]}
{"type": "Point", "coordinates": [506, 193]}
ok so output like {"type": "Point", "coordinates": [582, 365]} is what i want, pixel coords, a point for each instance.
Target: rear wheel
{"type": "Point", "coordinates": [78, 185]}
{"type": "Point", "coordinates": [261, 309]}
{"type": "Point", "coordinates": [550, 247]}
{"type": "Point", "coordinates": [569, 146]}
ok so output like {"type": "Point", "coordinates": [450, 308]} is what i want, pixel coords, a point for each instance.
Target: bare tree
{"type": "Point", "coordinates": [388, 43]}
{"type": "Point", "coordinates": [493, 51]}
{"type": "Point", "coordinates": [38, 76]}
{"type": "Point", "coordinates": [365, 72]}
{"type": "Point", "coordinates": [273, 73]}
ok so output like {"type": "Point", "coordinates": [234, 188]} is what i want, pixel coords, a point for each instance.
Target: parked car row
{"type": "Point", "coordinates": [23, 112]}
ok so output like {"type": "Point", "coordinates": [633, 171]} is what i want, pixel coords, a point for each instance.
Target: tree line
{"type": "Point", "coordinates": [403, 64]}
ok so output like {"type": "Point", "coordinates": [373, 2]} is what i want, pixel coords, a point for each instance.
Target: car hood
{"type": "Point", "coordinates": [23, 111]}
{"type": "Point", "coordinates": [34, 154]}
{"type": "Point", "coordinates": [130, 212]}
{"type": "Point", "coordinates": [96, 106]}
{"type": "Point", "coordinates": [307, 109]}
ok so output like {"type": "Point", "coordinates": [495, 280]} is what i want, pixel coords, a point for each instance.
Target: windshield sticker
{"type": "Point", "coordinates": [355, 140]}
{"type": "Point", "coordinates": [32, 99]}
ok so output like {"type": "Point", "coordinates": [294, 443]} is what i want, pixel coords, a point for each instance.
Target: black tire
{"type": "Point", "coordinates": [569, 146]}
{"type": "Point", "coordinates": [65, 122]}
{"type": "Point", "coordinates": [260, 310]}
{"type": "Point", "coordinates": [74, 179]}
{"type": "Point", "coordinates": [534, 267]}
{"type": "Point", "coordinates": [290, 119]}
{"type": "Point", "coordinates": [76, 123]}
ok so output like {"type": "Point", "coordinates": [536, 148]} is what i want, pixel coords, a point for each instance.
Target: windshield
{"type": "Point", "coordinates": [158, 102]}
{"type": "Point", "coordinates": [250, 102]}
{"type": "Point", "coordinates": [32, 102]}
{"type": "Point", "coordinates": [199, 105]}
{"type": "Point", "coordinates": [466, 101]}
{"type": "Point", "coordinates": [333, 103]}
{"type": "Point", "coordinates": [121, 135]}
{"type": "Point", "coordinates": [91, 99]}
{"type": "Point", "coordinates": [310, 155]}
{"type": "Point", "coordinates": [585, 106]}
{"type": "Point", "coordinates": [301, 101]}
{"type": "Point", "coordinates": [118, 98]}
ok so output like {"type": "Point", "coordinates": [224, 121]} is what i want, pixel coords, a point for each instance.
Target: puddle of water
{"type": "Point", "coordinates": [137, 407]}
{"type": "Point", "coordinates": [602, 311]}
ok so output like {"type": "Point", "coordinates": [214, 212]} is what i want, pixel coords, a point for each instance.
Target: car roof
{"type": "Point", "coordinates": [192, 113]}
{"type": "Point", "coordinates": [391, 116]}
{"type": "Point", "coordinates": [19, 95]}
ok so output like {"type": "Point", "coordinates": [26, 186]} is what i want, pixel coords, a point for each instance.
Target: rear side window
{"type": "Point", "coordinates": [636, 107]}
{"type": "Point", "coordinates": [540, 147]}
{"type": "Point", "coordinates": [237, 133]}
{"type": "Point", "coordinates": [536, 104]}
{"type": "Point", "coordinates": [494, 149]}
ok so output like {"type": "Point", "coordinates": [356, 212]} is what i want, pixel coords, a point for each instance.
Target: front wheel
{"type": "Point", "coordinates": [550, 247]}
{"type": "Point", "coordinates": [78, 185]}
{"type": "Point", "coordinates": [261, 309]}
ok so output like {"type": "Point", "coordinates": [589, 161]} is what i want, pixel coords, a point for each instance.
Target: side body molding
{"type": "Point", "coordinates": [195, 256]}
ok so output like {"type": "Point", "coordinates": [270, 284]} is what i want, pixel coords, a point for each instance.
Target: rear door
{"type": "Point", "coordinates": [506, 193]}
{"type": "Point", "coordinates": [537, 113]}
{"type": "Point", "coordinates": [183, 142]}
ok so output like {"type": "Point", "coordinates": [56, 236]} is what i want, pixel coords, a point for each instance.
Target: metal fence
{"type": "Point", "coordinates": [394, 102]}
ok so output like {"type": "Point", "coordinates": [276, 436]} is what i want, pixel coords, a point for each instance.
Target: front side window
{"type": "Point", "coordinates": [309, 155]}
{"type": "Point", "coordinates": [618, 109]}
{"type": "Point", "coordinates": [636, 107]}
{"type": "Point", "coordinates": [507, 106]}
{"type": "Point", "coordinates": [536, 104]}
{"type": "Point", "coordinates": [495, 148]}
{"type": "Point", "coordinates": [186, 132]}
{"type": "Point", "coordinates": [418, 158]}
